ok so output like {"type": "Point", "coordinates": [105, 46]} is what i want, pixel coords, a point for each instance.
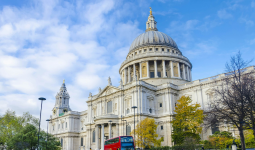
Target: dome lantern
{"type": "Point", "coordinates": [151, 24]}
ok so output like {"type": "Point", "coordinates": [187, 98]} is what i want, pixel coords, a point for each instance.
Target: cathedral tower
{"type": "Point", "coordinates": [62, 101]}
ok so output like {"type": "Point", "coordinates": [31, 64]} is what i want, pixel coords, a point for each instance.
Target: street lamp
{"type": "Point", "coordinates": [110, 129]}
{"type": "Point", "coordinates": [47, 131]}
{"type": "Point", "coordinates": [134, 107]}
{"type": "Point", "coordinates": [41, 99]}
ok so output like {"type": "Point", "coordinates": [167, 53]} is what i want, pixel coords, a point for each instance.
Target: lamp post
{"type": "Point", "coordinates": [47, 131]}
{"type": "Point", "coordinates": [134, 107]}
{"type": "Point", "coordinates": [110, 129]}
{"type": "Point", "coordinates": [41, 99]}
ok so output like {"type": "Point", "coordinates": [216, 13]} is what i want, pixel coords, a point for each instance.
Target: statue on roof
{"type": "Point", "coordinates": [109, 81]}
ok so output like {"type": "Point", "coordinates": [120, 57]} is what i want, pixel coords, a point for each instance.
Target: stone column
{"type": "Point", "coordinates": [172, 69]}
{"type": "Point", "coordinates": [134, 73]}
{"type": "Point", "coordinates": [190, 74]}
{"type": "Point", "coordinates": [187, 70]}
{"type": "Point", "coordinates": [179, 75]}
{"type": "Point", "coordinates": [117, 126]}
{"type": "Point", "coordinates": [140, 68]}
{"type": "Point", "coordinates": [110, 130]}
{"type": "Point", "coordinates": [164, 68]}
{"type": "Point", "coordinates": [97, 139]}
{"type": "Point", "coordinates": [129, 74]}
{"type": "Point", "coordinates": [183, 70]}
{"type": "Point", "coordinates": [102, 136]}
{"type": "Point", "coordinates": [156, 69]}
{"type": "Point", "coordinates": [148, 69]}
{"type": "Point", "coordinates": [125, 76]}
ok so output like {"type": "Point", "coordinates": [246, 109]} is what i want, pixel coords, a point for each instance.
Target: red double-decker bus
{"type": "Point", "coordinates": [121, 143]}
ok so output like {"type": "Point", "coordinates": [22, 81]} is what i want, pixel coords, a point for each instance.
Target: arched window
{"type": "Point", "coordinates": [94, 136]}
{"type": "Point", "coordinates": [128, 130]}
{"type": "Point", "coordinates": [61, 142]}
{"type": "Point", "coordinates": [150, 110]}
{"type": "Point", "coordinates": [109, 107]}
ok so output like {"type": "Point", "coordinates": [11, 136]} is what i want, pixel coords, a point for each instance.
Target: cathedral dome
{"type": "Point", "coordinates": [153, 38]}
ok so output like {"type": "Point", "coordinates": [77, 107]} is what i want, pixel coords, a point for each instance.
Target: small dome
{"type": "Point", "coordinates": [153, 38]}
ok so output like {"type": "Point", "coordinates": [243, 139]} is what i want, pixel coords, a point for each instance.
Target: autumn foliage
{"type": "Point", "coordinates": [187, 121]}
{"type": "Point", "coordinates": [146, 135]}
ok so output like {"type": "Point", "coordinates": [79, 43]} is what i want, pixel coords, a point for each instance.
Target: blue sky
{"type": "Point", "coordinates": [43, 42]}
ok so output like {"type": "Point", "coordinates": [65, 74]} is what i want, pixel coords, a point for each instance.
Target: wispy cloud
{"type": "Point", "coordinates": [223, 14]}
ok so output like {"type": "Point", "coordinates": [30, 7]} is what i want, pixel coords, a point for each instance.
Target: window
{"type": "Point", "coordinates": [53, 128]}
{"type": "Point", "coordinates": [81, 141]}
{"type": "Point", "coordinates": [61, 142]}
{"type": "Point", "coordinates": [167, 50]}
{"type": "Point", "coordinates": [163, 138]}
{"type": "Point", "coordinates": [64, 101]}
{"type": "Point", "coordinates": [215, 128]}
{"type": "Point", "coordinates": [166, 73]}
{"type": "Point", "coordinates": [172, 51]}
{"type": "Point", "coordinates": [140, 51]}
{"type": "Point", "coordinates": [94, 136]}
{"type": "Point", "coordinates": [135, 53]}
{"type": "Point", "coordinates": [162, 49]}
{"type": "Point", "coordinates": [150, 110]}
{"type": "Point", "coordinates": [144, 50]}
{"type": "Point", "coordinates": [66, 124]}
{"type": "Point", "coordinates": [109, 107]}
{"type": "Point", "coordinates": [156, 49]}
{"type": "Point", "coordinates": [128, 130]}
{"type": "Point", "coordinates": [58, 125]}
{"type": "Point", "coordinates": [82, 128]}
{"type": "Point", "coordinates": [152, 74]}
{"type": "Point", "coordinates": [62, 125]}
{"type": "Point", "coordinates": [116, 106]}
{"type": "Point", "coordinates": [159, 74]}
{"type": "Point", "coordinates": [150, 49]}
{"type": "Point", "coordinates": [160, 104]}
{"type": "Point", "coordinates": [127, 111]}
{"type": "Point", "coordinates": [161, 127]}
{"type": "Point", "coordinates": [175, 104]}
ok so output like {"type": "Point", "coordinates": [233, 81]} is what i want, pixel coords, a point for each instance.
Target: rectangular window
{"type": "Point", "coordinates": [61, 142]}
{"type": "Point", "coordinates": [159, 74]}
{"type": "Point", "coordinates": [166, 73]}
{"type": "Point", "coordinates": [172, 51]}
{"type": "Point", "coordinates": [162, 49]}
{"type": "Point", "coordinates": [152, 74]}
{"type": "Point", "coordinates": [140, 51]}
{"type": "Point", "coordinates": [144, 50]}
{"type": "Point", "coordinates": [150, 49]}
{"type": "Point", "coordinates": [156, 49]}
{"type": "Point", "coordinates": [109, 107]}
{"type": "Point", "coordinates": [81, 141]}
{"type": "Point", "coordinates": [167, 50]}
{"type": "Point", "coordinates": [160, 104]}
{"type": "Point", "coordinates": [161, 127]}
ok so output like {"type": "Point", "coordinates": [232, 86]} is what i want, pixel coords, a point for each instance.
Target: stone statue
{"type": "Point", "coordinates": [90, 94]}
{"type": "Point", "coordinates": [99, 90]}
{"type": "Point", "coordinates": [121, 83]}
{"type": "Point", "coordinates": [109, 81]}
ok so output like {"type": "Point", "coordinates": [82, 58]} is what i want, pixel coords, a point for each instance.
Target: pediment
{"type": "Point", "coordinates": [108, 90]}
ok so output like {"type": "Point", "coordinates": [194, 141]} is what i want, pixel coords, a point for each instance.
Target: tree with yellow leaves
{"type": "Point", "coordinates": [146, 135]}
{"type": "Point", "coordinates": [187, 121]}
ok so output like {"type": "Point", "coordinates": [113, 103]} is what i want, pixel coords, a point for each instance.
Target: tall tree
{"type": "Point", "coordinates": [187, 121]}
{"type": "Point", "coordinates": [233, 98]}
{"type": "Point", "coordinates": [146, 135]}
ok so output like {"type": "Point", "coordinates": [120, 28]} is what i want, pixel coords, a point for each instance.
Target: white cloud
{"type": "Point", "coordinates": [223, 14]}
{"type": "Point", "coordinates": [48, 41]}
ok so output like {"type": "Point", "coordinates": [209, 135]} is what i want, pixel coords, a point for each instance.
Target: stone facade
{"type": "Point", "coordinates": [154, 76]}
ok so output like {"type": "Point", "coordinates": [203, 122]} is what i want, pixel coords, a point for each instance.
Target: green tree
{"type": "Point", "coordinates": [146, 135]}
{"type": "Point", "coordinates": [187, 121]}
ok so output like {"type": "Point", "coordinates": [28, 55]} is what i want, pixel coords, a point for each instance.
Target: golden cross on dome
{"type": "Point", "coordinates": [64, 81]}
{"type": "Point", "coordinates": [150, 11]}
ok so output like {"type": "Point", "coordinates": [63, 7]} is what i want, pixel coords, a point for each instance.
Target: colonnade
{"type": "Point", "coordinates": [102, 136]}
{"type": "Point", "coordinates": [142, 70]}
